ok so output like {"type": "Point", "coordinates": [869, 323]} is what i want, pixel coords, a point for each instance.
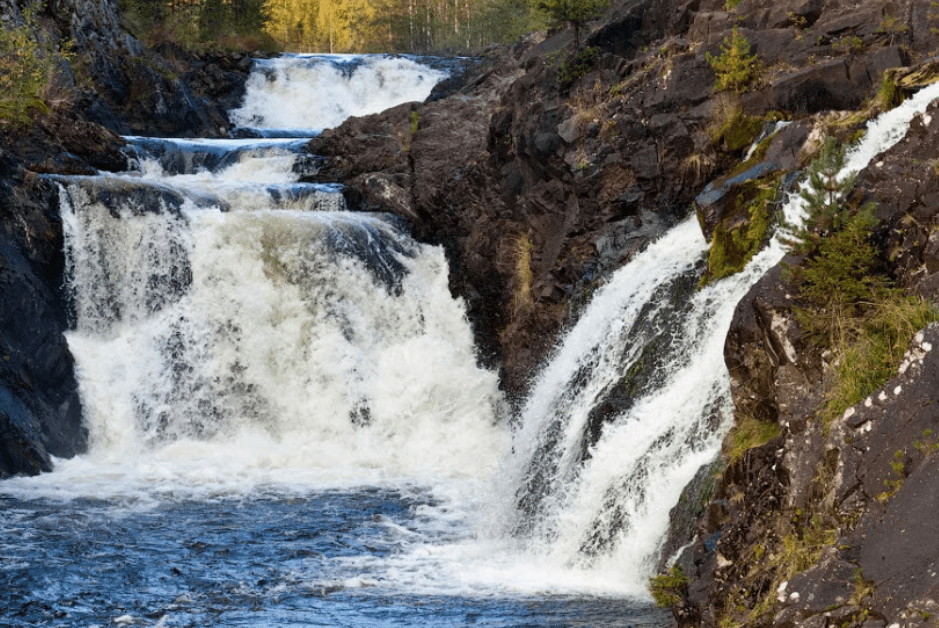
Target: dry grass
{"type": "Point", "coordinates": [589, 105]}
{"type": "Point", "coordinates": [696, 169]}
{"type": "Point", "coordinates": [522, 299]}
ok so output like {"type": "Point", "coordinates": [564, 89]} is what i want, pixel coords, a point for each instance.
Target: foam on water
{"type": "Point", "coordinates": [315, 92]}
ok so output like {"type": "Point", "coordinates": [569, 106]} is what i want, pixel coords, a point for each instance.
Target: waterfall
{"type": "Point", "coordinates": [245, 344]}
{"type": "Point", "coordinates": [313, 92]}
{"type": "Point", "coordinates": [226, 311]}
{"type": "Point", "coordinates": [605, 447]}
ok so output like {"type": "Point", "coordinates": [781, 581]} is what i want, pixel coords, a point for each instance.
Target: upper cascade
{"type": "Point", "coordinates": [300, 95]}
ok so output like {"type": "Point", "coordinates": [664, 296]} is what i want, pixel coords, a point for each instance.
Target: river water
{"type": "Point", "coordinates": [288, 425]}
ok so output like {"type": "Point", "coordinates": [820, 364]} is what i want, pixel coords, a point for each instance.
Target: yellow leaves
{"type": "Point", "coordinates": [313, 25]}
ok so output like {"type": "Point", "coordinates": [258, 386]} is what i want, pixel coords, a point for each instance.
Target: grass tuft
{"type": "Point", "coordinates": [748, 432]}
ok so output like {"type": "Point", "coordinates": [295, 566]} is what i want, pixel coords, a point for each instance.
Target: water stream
{"type": "Point", "coordinates": [288, 424]}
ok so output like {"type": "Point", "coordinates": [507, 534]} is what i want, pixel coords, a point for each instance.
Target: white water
{"type": "Point", "coordinates": [310, 93]}
{"type": "Point", "coordinates": [233, 354]}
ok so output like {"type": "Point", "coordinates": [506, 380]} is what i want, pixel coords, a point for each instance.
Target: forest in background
{"type": "Point", "coordinates": [332, 25]}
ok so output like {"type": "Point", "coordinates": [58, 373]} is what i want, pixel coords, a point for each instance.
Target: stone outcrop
{"type": "Point", "coordinates": [538, 180]}
{"type": "Point", "coordinates": [40, 411]}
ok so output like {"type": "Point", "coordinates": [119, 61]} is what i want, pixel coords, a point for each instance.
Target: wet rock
{"type": "Point", "coordinates": [378, 192]}
{"type": "Point", "coordinates": [40, 411]}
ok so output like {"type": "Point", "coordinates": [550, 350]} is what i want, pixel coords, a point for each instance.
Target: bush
{"type": "Point", "coordinates": [838, 269]}
{"type": "Point", "coordinates": [668, 589]}
{"type": "Point", "coordinates": [572, 67]}
{"type": "Point", "coordinates": [27, 68]}
{"type": "Point", "coordinates": [735, 66]}
{"type": "Point", "coordinates": [850, 306]}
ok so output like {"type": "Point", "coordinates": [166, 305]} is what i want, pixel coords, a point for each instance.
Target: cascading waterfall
{"type": "Point", "coordinates": [219, 299]}
{"type": "Point", "coordinates": [315, 92]}
{"type": "Point", "coordinates": [603, 500]}
{"type": "Point", "coordinates": [288, 421]}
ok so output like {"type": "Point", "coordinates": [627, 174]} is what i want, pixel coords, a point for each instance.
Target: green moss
{"type": "Point", "coordinates": [759, 153]}
{"type": "Point", "coordinates": [415, 121]}
{"type": "Point", "coordinates": [888, 96]}
{"type": "Point", "coordinates": [733, 246]}
{"type": "Point", "coordinates": [738, 131]}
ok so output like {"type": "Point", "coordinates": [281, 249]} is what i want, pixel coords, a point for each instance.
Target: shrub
{"type": "Point", "coordinates": [848, 45]}
{"type": "Point", "coordinates": [850, 306]}
{"type": "Point", "coordinates": [735, 66]}
{"type": "Point", "coordinates": [838, 270]}
{"type": "Point", "coordinates": [667, 589]}
{"type": "Point", "coordinates": [892, 27]}
{"type": "Point", "coordinates": [28, 67]}
{"type": "Point", "coordinates": [572, 67]}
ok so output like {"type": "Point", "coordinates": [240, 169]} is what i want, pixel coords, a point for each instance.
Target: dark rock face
{"type": "Point", "coordinates": [40, 411]}
{"type": "Point", "coordinates": [578, 173]}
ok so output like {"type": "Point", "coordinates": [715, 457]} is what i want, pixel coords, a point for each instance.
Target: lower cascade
{"type": "Point", "coordinates": [287, 417]}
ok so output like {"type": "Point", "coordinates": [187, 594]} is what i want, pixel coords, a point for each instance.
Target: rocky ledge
{"type": "Point", "coordinates": [830, 525]}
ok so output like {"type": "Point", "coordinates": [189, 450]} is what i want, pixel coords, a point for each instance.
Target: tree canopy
{"type": "Point", "coordinates": [337, 25]}
{"type": "Point", "coordinates": [573, 12]}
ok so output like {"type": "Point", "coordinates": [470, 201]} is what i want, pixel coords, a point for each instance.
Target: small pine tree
{"type": "Point", "coordinates": [839, 258]}
{"type": "Point", "coordinates": [735, 66]}
{"type": "Point", "coordinates": [823, 198]}
{"type": "Point", "coordinates": [573, 12]}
